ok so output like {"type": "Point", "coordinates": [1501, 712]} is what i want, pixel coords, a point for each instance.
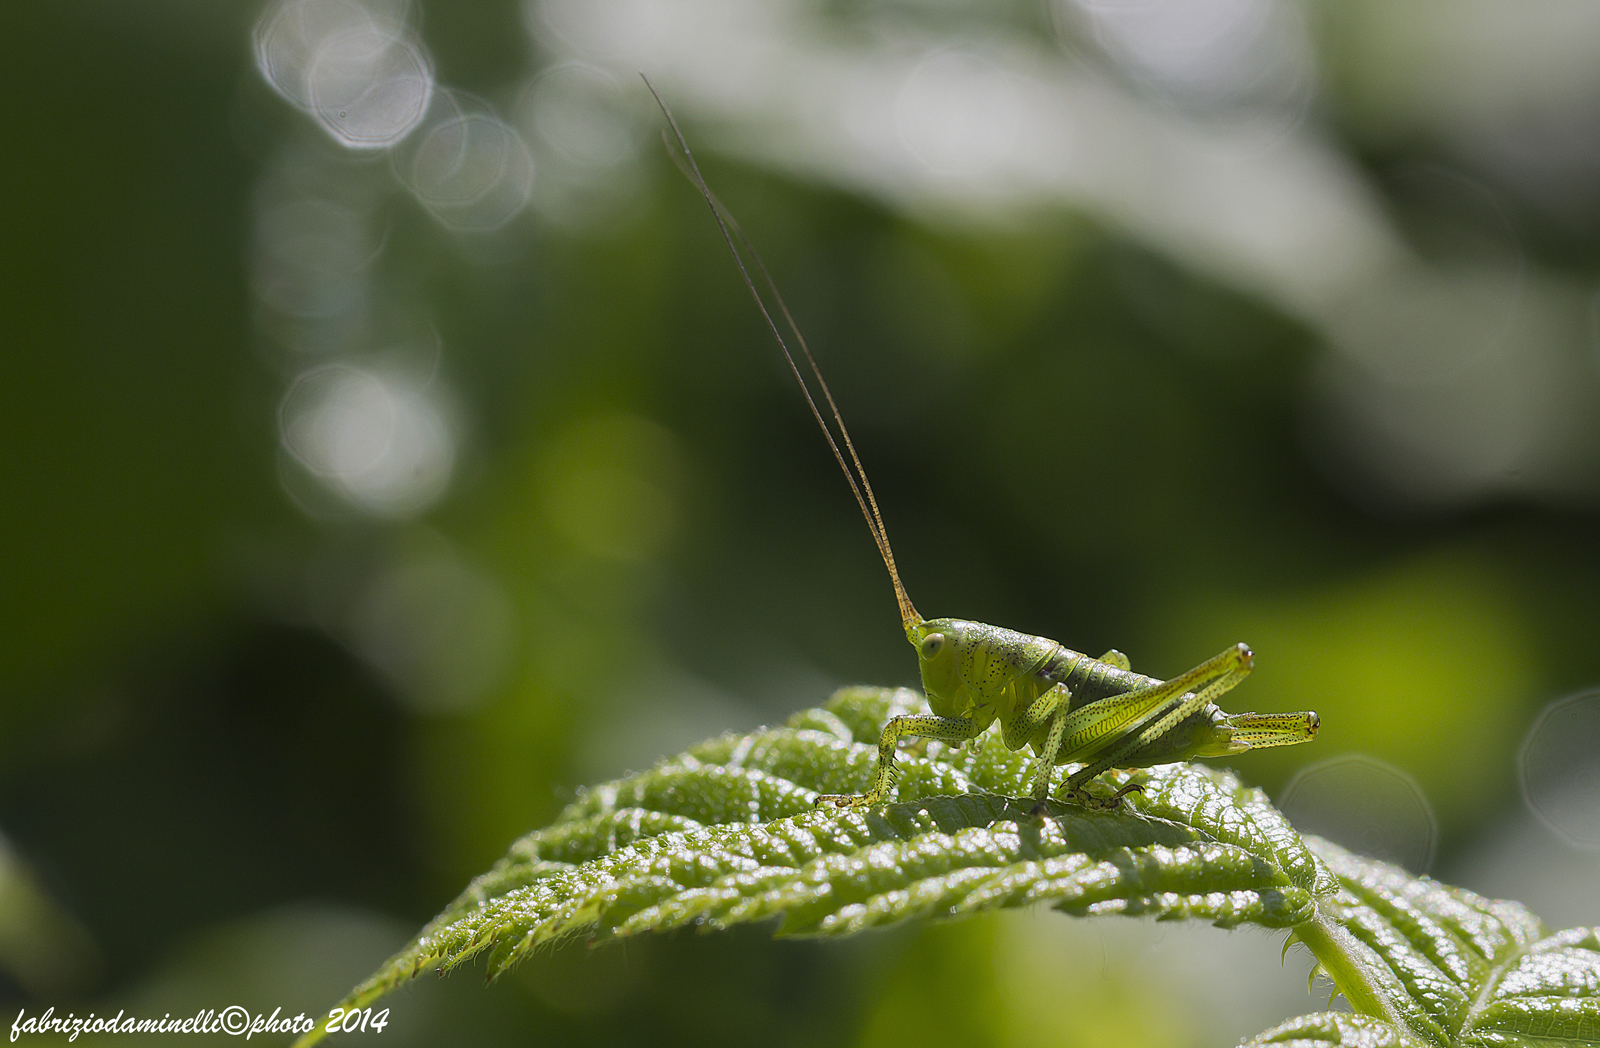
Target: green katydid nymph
{"type": "Point", "coordinates": [1069, 708]}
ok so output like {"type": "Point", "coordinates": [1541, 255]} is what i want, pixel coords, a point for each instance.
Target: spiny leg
{"type": "Point", "coordinates": [1258, 731]}
{"type": "Point", "coordinates": [1050, 708]}
{"type": "Point", "coordinates": [1222, 672]}
{"type": "Point", "coordinates": [1102, 723]}
{"type": "Point", "coordinates": [1139, 717]}
{"type": "Point", "coordinates": [923, 725]}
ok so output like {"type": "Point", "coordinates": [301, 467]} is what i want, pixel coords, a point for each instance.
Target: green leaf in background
{"type": "Point", "coordinates": [726, 834]}
{"type": "Point", "coordinates": [1450, 967]}
{"type": "Point", "coordinates": [42, 946]}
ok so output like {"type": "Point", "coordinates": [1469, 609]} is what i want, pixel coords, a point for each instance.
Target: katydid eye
{"type": "Point", "coordinates": [932, 645]}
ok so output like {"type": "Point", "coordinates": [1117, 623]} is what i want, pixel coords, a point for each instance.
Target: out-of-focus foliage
{"type": "Point", "coordinates": [361, 504]}
{"type": "Point", "coordinates": [41, 947]}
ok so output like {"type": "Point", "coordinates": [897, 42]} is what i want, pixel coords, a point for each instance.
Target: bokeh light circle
{"type": "Point", "coordinates": [356, 67]}
{"type": "Point", "coordinates": [468, 167]}
{"type": "Point", "coordinates": [1559, 769]}
{"type": "Point", "coordinates": [586, 132]}
{"type": "Point", "coordinates": [1366, 805]}
{"type": "Point", "coordinates": [288, 35]}
{"type": "Point", "coordinates": [375, 439]}
{"type": "Point", "coordinates": [579, 113]}
{"type": "Point", "coordinates": [369, 88]}
{"type": "Point", "coordinates": [1203, 53]}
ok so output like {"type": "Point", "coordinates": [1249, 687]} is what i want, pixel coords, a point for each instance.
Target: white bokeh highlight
{"type": "Point", "coordinates": [1559, 769]}
{"type": "Point", "coordinates": [356, 67]}
{"type": "Point", "coordinates": [958, 114]}
{"type": "Point", "coordinates": [469, 168]}
{"type": "Point", "coordinates": [378, 440]}
{"type": "Point", "coordinates": [1366, 805]}
{"type": "Point", "coordinates": [1205, 53]}
{"type": "Point", "coordinates": [586, 134]}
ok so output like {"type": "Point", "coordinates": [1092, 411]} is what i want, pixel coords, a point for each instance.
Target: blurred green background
{"type": "Point", "coordinates": [391, 450]}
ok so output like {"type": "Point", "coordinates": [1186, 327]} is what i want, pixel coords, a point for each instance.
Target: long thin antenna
{"type": "Point", "coordinates": [857, 478]}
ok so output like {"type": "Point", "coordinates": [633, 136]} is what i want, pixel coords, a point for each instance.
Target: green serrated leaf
{"type": "Point", "coordinates": [726, 834]}
{"type": "Point", "coordinates": [1330, 1029]}
{"type": "Point", "coordinates": [1450, 967]}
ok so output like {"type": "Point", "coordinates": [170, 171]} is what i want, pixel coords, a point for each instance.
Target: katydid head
{"type": "Point", "coordinates": [969, 666]}
{"type": "Point", "coordinates": [938, 643]}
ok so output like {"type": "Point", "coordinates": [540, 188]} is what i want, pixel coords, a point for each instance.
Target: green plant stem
{"type": "Point", "coordinates": [1349, 964]}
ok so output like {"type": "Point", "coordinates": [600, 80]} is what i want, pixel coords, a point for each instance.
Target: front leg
{"type": "Point", "coordinates": [922, 725]}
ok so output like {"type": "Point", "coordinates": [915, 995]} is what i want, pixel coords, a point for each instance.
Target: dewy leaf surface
{"type": "Point", "coordinates": [726, 833]}
{"type": "Point", "coordinates": [1456, 969]}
